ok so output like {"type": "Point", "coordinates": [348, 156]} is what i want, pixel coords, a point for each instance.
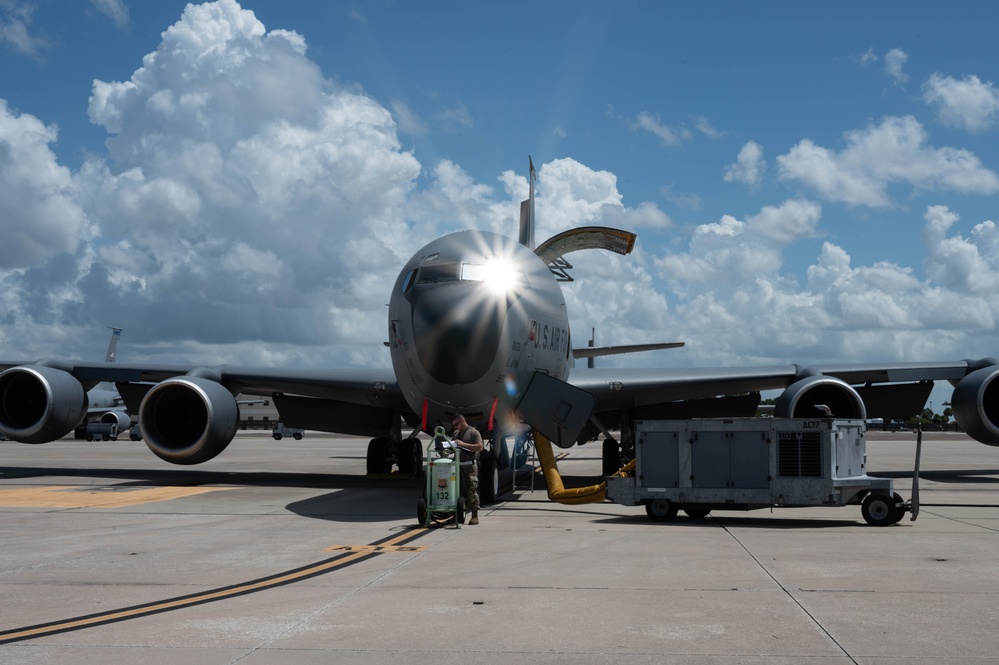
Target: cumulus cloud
{"type": "Point", "coordinates": [249, 209]}
{"type": "Point", "coordinates": [38, 198]}
{"type": "Point", "coordinates": [730, 297]}
{"type": "Point", "coordinates": [968, 103]}
{"type": "Point", "coordinates": [896, 151]}
{"type": "Point", "coordinates": [749, 165]}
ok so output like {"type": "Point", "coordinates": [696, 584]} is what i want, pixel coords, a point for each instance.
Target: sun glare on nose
{"type": "Point", "coordinates": [500, 275]}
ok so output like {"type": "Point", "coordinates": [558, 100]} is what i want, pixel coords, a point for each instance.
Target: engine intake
{"type": "Point", "coordinates": [39, 404]}
{"type": "Point", "coordinates": [188, 419]}
{"type": "Point", "coordinates": [975, 403]}
{"type": "Point", "coordinates": [803, 398]}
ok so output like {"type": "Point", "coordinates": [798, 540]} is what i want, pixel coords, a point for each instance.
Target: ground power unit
{"type": "Point", "coordinates": [710, 464]}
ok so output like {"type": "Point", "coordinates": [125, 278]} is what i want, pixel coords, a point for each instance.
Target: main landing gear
{"type": "Point", "coordinates": [407, 454]}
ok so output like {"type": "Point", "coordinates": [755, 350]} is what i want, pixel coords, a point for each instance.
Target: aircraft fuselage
{"type": "Point", "coordinates": [472, 316]}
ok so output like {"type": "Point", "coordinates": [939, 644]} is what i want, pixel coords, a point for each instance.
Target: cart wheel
{"type": "Point", "coordinates": [421, 511]}
{"type": "Point", "coordinates": [697, 513]}
{"type": "Point", "coordinates": [459, 511]}
{"type": "Point", "coordinates": [660, 510]}
{"type": "Point", "coordinates": [879, 510]}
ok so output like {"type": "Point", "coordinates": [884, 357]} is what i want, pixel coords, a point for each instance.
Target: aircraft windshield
{"type": "Point", "coordinates": [438, 272]}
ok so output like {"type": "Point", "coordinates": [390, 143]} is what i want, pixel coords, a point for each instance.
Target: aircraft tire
{"type": "Point", "coordinates": [410, 456]}
{"type": "Point", "coordinates": [459, 511]}
{"type": "Point", "coordinates": [660, 510]}
{"type": "Point", "coordinates": [488, 478]}
{"type": "Point", "coordinates": [878, 509]}
{"type": "Point", "coordinates": [377, 454]}
{"type": "Point", "coordinates": [611, 457]}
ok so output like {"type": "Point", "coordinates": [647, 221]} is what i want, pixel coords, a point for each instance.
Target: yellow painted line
{"type": "Point", "coordinates": [376, 548]}
{"type": "Point", "coordinates": [73, 496]}
{"type": "Point", "coordinates": [147, 609]}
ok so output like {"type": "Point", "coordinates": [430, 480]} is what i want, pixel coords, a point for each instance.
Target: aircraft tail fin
{"type": "Point", "coordinates": [527, 212]}
{"type": "Point", "coordinates": [113, 345]}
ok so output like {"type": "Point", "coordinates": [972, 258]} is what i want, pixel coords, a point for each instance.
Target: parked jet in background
{"type": "Point", "coordinates": [478, 325]}
{"type": "Point", "coordinates": [107, 416]}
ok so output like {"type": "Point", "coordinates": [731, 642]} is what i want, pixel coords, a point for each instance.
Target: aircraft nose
{"type": "Point", "coordinates": [457, 329]}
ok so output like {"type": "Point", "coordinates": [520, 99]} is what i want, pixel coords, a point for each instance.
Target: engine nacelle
{"type": "Point", "coordinates": [188, 419]}
{"type": "Point", "coordinates": [118, 418]}
{"type": "Point", "coordinates": [801, 399]}
{"type": "Point", "coordinates": [975, 404]}
{"type": "Point", "coordinates": [39, 404]}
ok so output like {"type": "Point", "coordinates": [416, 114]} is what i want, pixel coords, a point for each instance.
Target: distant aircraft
{"type": "Point", "coordinates": [105, 406]}
{"type": "Point", "coordinates": [478, 325]}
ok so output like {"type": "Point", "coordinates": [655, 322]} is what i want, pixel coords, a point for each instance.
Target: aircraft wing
{"type": "Point", "coordinates": [623, 387]}
{"type": "Point", "coordinates": [887, 390]}
{"type": "Point", "coordinates": [347, 401]}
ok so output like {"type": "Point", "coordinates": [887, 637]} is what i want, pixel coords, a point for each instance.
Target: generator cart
{"type": "Point", "coordinates": [442, 502]}
{"type": "Point", "coordinates": [700, 465]}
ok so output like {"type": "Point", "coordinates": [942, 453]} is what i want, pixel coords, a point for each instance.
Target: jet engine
{"type": "Point", "coordinates": [975, 403]}
{"type": "Point", "coordinates": [39, 404]}
{"type": "Point", "coordinates": [820, 396]}
{"type": "Point", "coordinates": [188, 419]}
{"type": "Point", "coordinates": [118, 418]}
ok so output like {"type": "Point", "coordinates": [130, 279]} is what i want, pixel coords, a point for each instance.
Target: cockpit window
{"type": "Point", "coordinates": [440, 272]}
{"type": "Point", "coordinates": [408, 281]}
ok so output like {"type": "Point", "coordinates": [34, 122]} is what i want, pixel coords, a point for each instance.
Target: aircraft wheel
{"type": "Point", "coordinates": [410, 456]}
{"type": "Point", "coordinates": [377, 453]}
{"type": "Point", "coordinates": [697, 513]}
{"type": "Point", "coordinates": [878, 510]}
{"type": "Point", "coordinates": [459, 511]}
{"type": "Point", "coordinates": [660, 510]}
{"type": "Point", "coordinates": [488, 478]}
{"type": "Point", "coordinates": [611, 457]}
{"type": "Point", "coordinates": [421, 511]}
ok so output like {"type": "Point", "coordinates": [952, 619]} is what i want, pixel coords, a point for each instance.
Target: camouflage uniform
{"type": "Point", "coordinates": [470, 472]}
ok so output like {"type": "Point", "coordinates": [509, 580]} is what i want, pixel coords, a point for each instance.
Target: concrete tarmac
{"type": "Point", "coordinates": [283, 552]}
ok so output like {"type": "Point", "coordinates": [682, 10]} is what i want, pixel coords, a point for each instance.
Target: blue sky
{"type": "Point", "coordinates": [241, 182]}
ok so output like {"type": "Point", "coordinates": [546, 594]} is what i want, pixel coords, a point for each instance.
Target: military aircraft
{"type": "Point", "coordinates": [106, 408]}
{"type": "Point", "coordinates": [478, 324]}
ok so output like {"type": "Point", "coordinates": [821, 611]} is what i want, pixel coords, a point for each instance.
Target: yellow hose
{"type": "Point", "coordinates": [557, 492]}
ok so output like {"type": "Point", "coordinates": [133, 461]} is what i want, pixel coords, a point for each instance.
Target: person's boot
{"type": "Point", "coordinates": [475, 517]}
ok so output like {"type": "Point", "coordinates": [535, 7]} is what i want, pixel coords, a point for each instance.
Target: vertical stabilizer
{"type": "Point", "coordinates": [113, 345]}
{"type": "Point", "coordinates": [527, 213]}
